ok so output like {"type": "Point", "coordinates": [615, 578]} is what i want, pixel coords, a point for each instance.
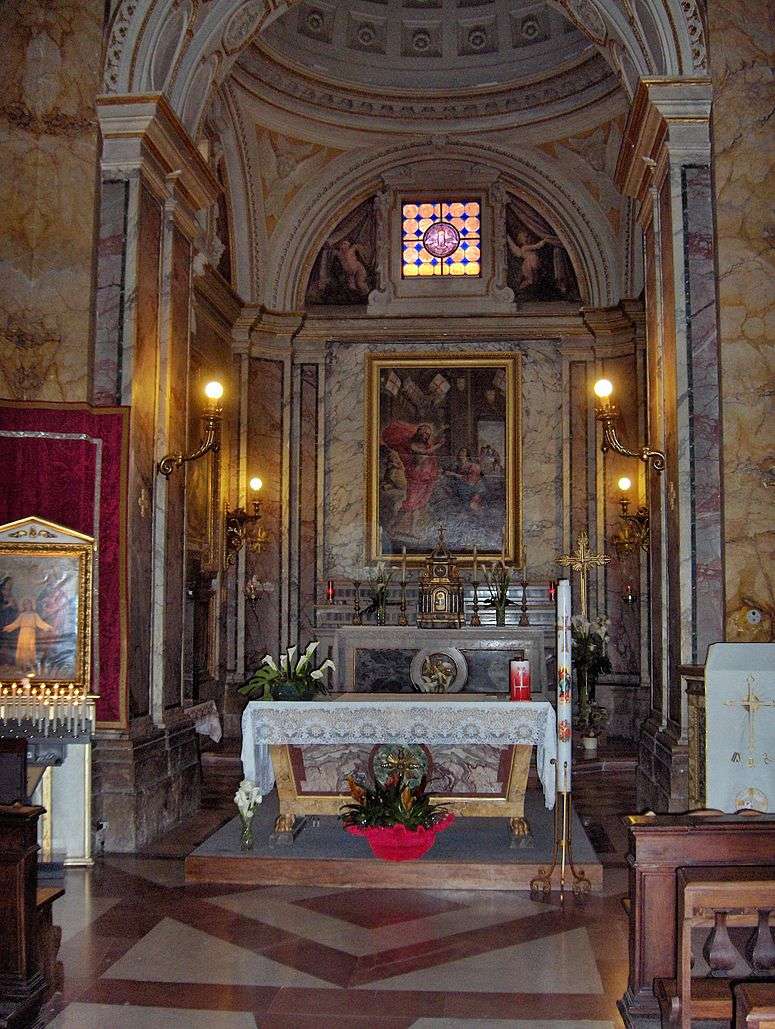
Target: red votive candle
{"type": "Point", "coordinates": [519, 680]}
{"type": "Point", "coordinates": [330, 591]}
{"type": "Point", "coordinates": [552, 589]}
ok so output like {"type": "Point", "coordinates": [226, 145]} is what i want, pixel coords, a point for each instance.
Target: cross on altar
{"type": "Point", "coordinates": [581, 560]}
{"type": "Point", "coordinates": [750, 704]}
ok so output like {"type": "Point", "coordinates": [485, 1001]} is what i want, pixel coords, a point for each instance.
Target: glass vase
{"type": "Point", "coordinates": [246, 832]}
{"type": "Point", "coordinates": [381, 609]}
{"type": "Point", "coordinates": [500, 614]}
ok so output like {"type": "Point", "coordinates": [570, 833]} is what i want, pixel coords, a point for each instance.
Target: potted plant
{"type": "Point", "coordinates": [291, 678]}
{"type": "Point", "coordinates": [590, 660]}
{"type": "Point", "coordinates": [398, 822]}
{"type": "Point", "coordinates": [498, 580]}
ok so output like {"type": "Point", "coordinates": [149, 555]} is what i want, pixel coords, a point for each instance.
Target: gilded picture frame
{"type": "Point", "coordinates": [443, 447]}
{"type": "Point", "coordinates": [45, 603]}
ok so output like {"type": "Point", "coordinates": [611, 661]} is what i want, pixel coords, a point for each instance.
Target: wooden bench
{"type": "Point", "coordinates": [711, 901]}
{"type": "Point", "coordinates": [755, 1005]}
{"type": "Point", "coordinates": [658, 846]}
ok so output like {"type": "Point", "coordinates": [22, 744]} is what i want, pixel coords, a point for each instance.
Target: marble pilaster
{"type": "Point", "coordinates": [664, 164]}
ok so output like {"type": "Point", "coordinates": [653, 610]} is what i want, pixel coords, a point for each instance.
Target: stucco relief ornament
{"type": "Point", "coordinates": [588, 18]}
{"type": "Point", "coordinates": [244, 23]}
{"type": "Point", "coordinates": [115, 47]}
{"type": "Point", "coordinates": [696, 31]}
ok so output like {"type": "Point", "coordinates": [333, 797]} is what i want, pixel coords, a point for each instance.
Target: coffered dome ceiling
{"type": "Point", "coordinates": [435, 60]}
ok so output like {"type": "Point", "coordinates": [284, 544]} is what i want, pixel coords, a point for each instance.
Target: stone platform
{"type": "Point", "coordinates": [473, 854]}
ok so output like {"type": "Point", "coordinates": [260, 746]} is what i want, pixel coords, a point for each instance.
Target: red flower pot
{"type": "Point", "coordinates": [397, 843]}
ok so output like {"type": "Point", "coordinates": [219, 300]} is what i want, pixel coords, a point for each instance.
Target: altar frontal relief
{"type": "Point", "coordinates": [443, 449]}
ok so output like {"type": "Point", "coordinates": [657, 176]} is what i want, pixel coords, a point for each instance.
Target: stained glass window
{"type": "Point", "coordinates": [441, 237]}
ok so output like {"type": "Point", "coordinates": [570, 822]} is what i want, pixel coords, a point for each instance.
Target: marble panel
{"type": "Point", "coordinates": [142, 476]}
{"type": "Point", "coordinates": [266, 417]}
{"type": "Point", "coordinates": [50, 61]}
{"type": "Point", "coordinates": [177, 441]}
{"type": "Point", "coordinates": [109, 293]}
{"type": "Point", "coordinates": [702, 415]}
{"type": "Point", "coordinates": [308, 499]}
{"type": "Point", "coordinates": [345, 477]}
{"type": "Point", "coordinates": [742, 52]}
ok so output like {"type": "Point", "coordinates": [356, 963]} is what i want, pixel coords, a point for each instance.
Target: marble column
{"type": "Point", "coordinates": [664, 164]}
{"type": "Point", "coordinates": [154, 181]}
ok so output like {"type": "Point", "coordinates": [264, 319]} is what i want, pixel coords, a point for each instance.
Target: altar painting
{"type": "Point", "coordinates": [538, 264]}
{"type": "Point", "coordinates": [443, 449]}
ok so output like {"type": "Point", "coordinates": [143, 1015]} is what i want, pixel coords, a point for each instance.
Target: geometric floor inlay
{"type": "Point", "coordinates": [561, 963]}
{"type": "Point", "coordinates": [131, 1016]}
{"type": "Point", "coordinates": [176, 953]}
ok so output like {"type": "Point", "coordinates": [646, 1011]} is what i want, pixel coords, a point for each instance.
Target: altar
{"type": "Point", "coordinates": [474, 750]}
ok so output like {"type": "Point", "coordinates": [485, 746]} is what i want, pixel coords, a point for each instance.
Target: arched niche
{"type": "Point", "coordinates": [534, 178]}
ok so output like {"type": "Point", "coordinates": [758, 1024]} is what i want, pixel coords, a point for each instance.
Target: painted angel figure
{"type": "Point", "coordinates": [28, 621]}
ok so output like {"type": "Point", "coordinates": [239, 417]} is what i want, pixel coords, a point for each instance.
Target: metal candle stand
{"type": "Point", "coordinates": [475, 619]}
{"type": "Point", "coordinates": [402, 619]}
{"type": "Point", "coordinates": [357, 616]}
{"type": "Point", "coordinates": [523, 618]}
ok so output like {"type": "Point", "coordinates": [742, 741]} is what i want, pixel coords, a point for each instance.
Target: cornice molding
{"type": "Point", "coordinates": [142, 133]}
{"type": "Point", "coordinates": [217, 301]}
{"type": "Point", "coordinates": [669, 120]}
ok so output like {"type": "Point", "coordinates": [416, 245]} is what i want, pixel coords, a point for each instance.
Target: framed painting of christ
{"type": "Point", "coordinates": [443, 449]}
{"type": "Point", "coordinates": [45, 603]}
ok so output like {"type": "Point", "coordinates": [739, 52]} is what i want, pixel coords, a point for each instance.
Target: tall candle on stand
{"type": "Point", "coordinates": [564, 693]}
{"type": "Point", "coordinates": [475, 562]}
{"type": "Point", "coordinates": [403, 563]}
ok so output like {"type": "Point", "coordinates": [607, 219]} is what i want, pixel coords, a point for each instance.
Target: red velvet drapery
{"type": "Point", "coordinates": [67, 463]}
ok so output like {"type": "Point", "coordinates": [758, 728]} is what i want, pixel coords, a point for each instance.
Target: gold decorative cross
{"type": "Point", "coordinates": [750, 704]}
{"type": "Point", "coordinates": [581, 560]}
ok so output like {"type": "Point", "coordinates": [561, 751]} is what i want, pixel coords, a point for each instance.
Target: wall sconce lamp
{"type": "Point", "coordinates": [606, 412]}
{"type": "Point", "coordinates": [634, 532]}
{"type": "Point", "coordinates": [238, 523]}
{"type": "Point", "coordinates": [210, 440]}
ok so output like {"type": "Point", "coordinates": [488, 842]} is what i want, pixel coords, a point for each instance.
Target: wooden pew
{"type": "Point", "coordinates": [717, 899]}
{"type": "Point", "coordinates": [658, 846]}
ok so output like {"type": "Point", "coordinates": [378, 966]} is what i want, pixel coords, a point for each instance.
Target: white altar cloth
{"type": "Point", "coordinates": [496, 723]}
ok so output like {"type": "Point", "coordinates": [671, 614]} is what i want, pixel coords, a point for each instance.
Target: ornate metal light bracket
{"type": "Point", "coordinates": [634, 533]}
{"type": "Point", "coordinates": [211, 438]}
{"type": "Point", "coordinates": [606, 412]}
{"type": "Point", "coordinates": [238, 523]}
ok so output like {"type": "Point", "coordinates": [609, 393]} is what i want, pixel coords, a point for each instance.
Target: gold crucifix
{"type": "Point", "coordinates": [750, 704]}
{"type": "Point", "coordinates": [581, 560]}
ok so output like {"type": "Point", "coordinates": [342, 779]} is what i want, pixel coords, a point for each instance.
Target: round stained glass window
{"type": "Point", "coordinates": [441, 239]}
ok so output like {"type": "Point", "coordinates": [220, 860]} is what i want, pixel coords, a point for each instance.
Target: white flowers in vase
{"type": "Point", "coordinates": [247, 798]}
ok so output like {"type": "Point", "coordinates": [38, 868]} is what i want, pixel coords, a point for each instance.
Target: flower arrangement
{"type": "Point", "coordinates": [590, 660]}
{"type": "Point", "coordinates": [291, 678]}
{"type": "Point", "coordinates": [498, 579]}
{"type": "Point", "coordinates": [391, 803]}
{"type": "Point", "coordinates": [399, 822]}
{"type": "Point", "coordinates": [379, 585]}
{"type": "Point", "coordinates": [247, 798]}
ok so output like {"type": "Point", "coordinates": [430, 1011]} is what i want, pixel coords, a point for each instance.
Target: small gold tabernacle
{"type": "Point", "coordinates": [440, 601]}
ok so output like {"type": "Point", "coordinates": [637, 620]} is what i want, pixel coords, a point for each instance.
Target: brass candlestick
{"type": "Point", "coordinates": [402, 619]}
{"type": "Point", "coordinates": [357, 616]}
{"type": "Point", "coordinates": [523, 618]}
{"type": "Point", "coordinates": [475, 619]}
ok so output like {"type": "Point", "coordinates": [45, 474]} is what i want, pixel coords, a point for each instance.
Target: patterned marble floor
{"type": "Point", "coordinates": [140, 949]}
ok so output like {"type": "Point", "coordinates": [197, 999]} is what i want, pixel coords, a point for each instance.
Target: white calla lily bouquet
{"type": "Point", "coordinates": [293, 677]}
{"type": "Point", "coordinates": [247, 798]}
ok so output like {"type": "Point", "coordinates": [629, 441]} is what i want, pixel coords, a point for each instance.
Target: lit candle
{"type": "Point", "coordinates": [403, 563]}
{"type": "Point", "coordinates": [564, 693]}
{"type": "Point", "coordinates": [552, 589]}
{"type": "Point", "coordinates": [330, 591]}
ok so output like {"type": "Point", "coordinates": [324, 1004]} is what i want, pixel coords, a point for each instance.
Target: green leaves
{"type": "Point", "coordinates": [293, 678]}
{"type": "Point", "coordinates": [391, 803]}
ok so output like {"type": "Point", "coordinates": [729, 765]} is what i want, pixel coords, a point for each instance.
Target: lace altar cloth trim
{"type": "Point", "coordinates": [498, 723]}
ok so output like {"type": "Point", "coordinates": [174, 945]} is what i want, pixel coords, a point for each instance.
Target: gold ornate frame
{"type": "Point", "coordinates": [511, 364]}
{"type": "Point", "coordinates": [37, 537]}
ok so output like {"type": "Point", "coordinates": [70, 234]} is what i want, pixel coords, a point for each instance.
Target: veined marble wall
{"type": "Point", "coordinates": [742, 52]}
{"type": "Point", "coordinates": [50, 56]}
{"type": "Point", "coordinates": [345, 469]}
